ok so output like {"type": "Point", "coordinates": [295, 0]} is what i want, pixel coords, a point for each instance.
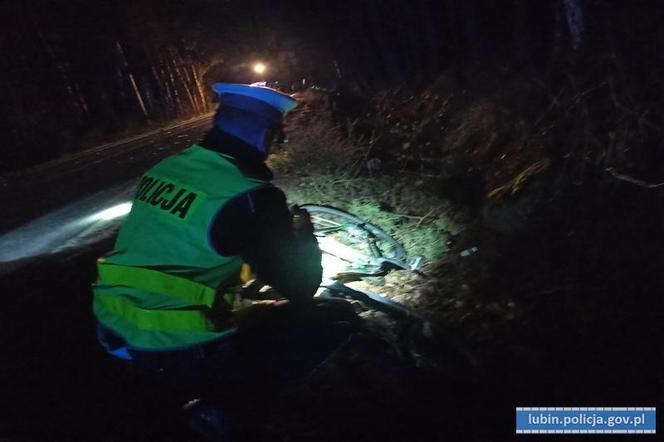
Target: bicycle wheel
{"type": "Point", "coordinates": [372, 243]}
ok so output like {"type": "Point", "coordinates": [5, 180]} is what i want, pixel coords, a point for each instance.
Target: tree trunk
{"type": "Point", "coordinates": [191, 88]}
{"type": "Point", "coordinates": [137, 94]}
{"type": "Point", "coordinates": [174, 86]}
{"type": "Point", "coordinates": [177, 62]}
{"type": "Point", "coordinates": [575, 21]}
{"type": "Point", "coordinates": [199, 88]}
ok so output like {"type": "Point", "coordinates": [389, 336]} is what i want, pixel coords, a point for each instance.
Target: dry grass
{"type": "Point", "coordinates": [585, 115]}
{"type": "Point", "coordinates": [421, 221]}
{"type": "Point", "coordinates": [317, 147]}
{"type": "Point", "coordinates": [326, 166]}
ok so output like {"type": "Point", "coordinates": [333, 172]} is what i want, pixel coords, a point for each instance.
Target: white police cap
{"type": "Point", "coordinates": [232, 93]}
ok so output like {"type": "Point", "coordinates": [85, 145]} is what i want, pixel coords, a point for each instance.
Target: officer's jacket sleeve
{"type": "Point", "coordinates": [258, 227]}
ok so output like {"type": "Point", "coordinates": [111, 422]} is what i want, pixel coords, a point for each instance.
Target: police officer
{"type": "Point", "coordinates": [164, 298]}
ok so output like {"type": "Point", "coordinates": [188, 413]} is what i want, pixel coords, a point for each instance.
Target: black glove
{"type": "Point", "coordinates": [301, 220]}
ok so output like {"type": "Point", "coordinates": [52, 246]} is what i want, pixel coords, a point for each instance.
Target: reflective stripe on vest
{"type": "Point", "coordinates": [157, 329]}
{"type": "Point", "coordinates": [154, 320]}
{"type": "Point", "coordinates": [155, 281]}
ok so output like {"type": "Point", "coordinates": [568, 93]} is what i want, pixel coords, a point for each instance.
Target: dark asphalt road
{"type": "Point", "coordinates": [38, 190]}
{"type": "Point", "coordinates": [57, 384]}
{"type": "Point", "coordinates": [72, 202]}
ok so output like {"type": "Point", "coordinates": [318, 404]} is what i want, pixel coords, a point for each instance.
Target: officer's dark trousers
{"type": "Point", "coordinates": [240, 373]}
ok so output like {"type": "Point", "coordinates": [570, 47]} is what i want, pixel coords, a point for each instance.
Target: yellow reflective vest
{"type": "Point", "coordinates": [164, 286]}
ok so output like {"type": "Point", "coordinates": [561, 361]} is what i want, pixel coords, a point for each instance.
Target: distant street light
{"type": "Point", "coordinates": [259, 68]}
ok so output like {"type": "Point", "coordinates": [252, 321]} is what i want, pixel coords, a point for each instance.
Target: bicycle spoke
{"type": "Point", "coordinates": [369, 241]}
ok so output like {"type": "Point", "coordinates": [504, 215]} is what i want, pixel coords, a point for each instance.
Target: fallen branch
{"type": "Point", "coordinates": [632, 180]}
{"type": "Point", "coordinates": [423, 218]}
{"type": "Point", "coordinates": [515, 184]}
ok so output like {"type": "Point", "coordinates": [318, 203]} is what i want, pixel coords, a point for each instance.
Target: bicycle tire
{"type": "Point", "coordinates": [391, 249]}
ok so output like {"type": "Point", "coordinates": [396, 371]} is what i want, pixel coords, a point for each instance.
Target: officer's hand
{"type": "Point", "coordinates": [301, 220]}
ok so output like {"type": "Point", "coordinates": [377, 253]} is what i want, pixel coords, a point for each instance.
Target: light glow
{"type": "Point", "coordinates": [337, 257]}
{"type": "Point", "coordinates": [334, 247]}
{"type": "Point", "coordinates": [259, 68]}
{"type": "Point", "coordinates": [332, 266]}
{"type": "Point", "coordinates": [112, 213]}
